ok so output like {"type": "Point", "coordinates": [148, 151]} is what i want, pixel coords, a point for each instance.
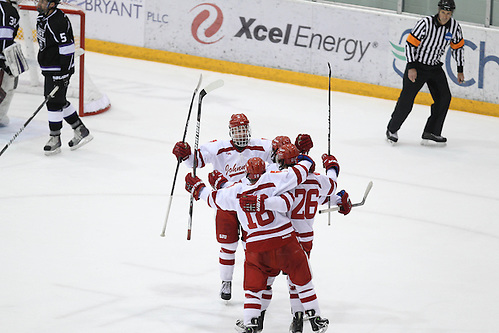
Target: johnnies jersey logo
{"type": "Point", "coordinates": [40, 35]}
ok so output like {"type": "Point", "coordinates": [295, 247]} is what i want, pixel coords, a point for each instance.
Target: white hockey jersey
{"type": "Point", "coordinates": [264, 230]}
{"type": "Point", "coordinates": [307, 198]}
{"type": "Point", "coordinates": [228, 160]}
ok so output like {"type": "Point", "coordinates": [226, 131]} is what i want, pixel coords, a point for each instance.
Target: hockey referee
{"type": "Point", "coordinates": [425, 46]}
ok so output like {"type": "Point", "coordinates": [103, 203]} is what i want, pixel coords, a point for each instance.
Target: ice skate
{"type": "Point", "coordinates": [250, 328]}
{"type": "Point", "coordinates": [430, 139]}
{"type": "Point", "coordinates": [297, 323]}
{"type": "Point", "coordinates": [81, 137]}
{"type": "Point", "coordinates": [391, 137]}
{"type": "Point", "coordinates": [226, 290]}
{"type": "Point", "coordinates": [53, 146]}
{"type": "Point", "coordinates": [318, 324]}
{"type": "Point", "coordinates": [260, 321]}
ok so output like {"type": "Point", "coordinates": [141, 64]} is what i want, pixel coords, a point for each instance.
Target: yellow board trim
{"type": "Point", "coordinates": [279, 75]}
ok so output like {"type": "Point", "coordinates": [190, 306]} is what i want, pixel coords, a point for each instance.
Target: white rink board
{"type": "Point", "coordinates": [300, 36]}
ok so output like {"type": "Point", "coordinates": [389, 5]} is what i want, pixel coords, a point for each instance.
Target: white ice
{"type": "Point", "coordinates": [80, 245]}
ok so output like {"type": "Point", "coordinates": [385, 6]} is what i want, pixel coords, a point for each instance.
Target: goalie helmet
{"type": "Point", "coordinates": [255, 167]}
{"type": "Point", "coordinates": [448, 5]}
{"type": "Point", "coordinates": [277, 143]}
{"type": "Point", "coordinates": [286, 155]}
{"type": "Point", "coordinates": [239, 130]}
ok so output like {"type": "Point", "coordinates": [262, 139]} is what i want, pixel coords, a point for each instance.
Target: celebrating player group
{"type": "Point", "coordinates": [266, 194]}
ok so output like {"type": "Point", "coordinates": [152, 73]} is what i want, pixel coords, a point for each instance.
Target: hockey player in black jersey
{"type": "Point", "coordinates": [56, 58]}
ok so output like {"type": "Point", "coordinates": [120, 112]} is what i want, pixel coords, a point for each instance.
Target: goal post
{"type": "Point", "coordinates": [90, 99]}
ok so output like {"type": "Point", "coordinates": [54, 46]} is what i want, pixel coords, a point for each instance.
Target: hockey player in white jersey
{"type": "Point", "coordinates": [271, 244]}
{"type": "Point", "coordinates": [228, 158]}
{"type": "Point", "coordinates": [316, 190]}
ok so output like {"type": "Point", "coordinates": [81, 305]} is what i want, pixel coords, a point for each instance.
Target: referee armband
{"type": "Point", "coordinates": [413, 40]}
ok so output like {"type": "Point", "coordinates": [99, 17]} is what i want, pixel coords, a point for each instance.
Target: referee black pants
{"type": "Point", "coordinates": [434, 77]}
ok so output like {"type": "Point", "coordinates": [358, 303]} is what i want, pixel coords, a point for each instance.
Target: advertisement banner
{"type": "Point", "coordinates": [361, 45]}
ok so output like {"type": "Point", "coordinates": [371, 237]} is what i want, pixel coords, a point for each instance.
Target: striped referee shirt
{"type": "Point", "coordinates": [429, 39]}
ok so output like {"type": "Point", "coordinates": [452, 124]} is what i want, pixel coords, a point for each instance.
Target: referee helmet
{"type": "Point", "coordinates": [448, 5]}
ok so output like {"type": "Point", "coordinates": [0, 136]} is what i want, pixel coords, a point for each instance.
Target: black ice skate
{"type": "Point", "coordinates": [53, 146]}
{"type": "Point", "coordinates": [297, 323]}
{"type": "Point", "coordinates": [318, 324]}
{"type": "Point", "coordinates": [430, 139]}
{"type": "Point", "coordinates": [250, 328]}
{"type": "Point", "coordinates": [226, 290]}
{"type": "Point", "coordinates": [391, 137]}
{"type": "Point", "coordinates": [260, 321]}
{"type": "Point", "coordinates": [82, 136]}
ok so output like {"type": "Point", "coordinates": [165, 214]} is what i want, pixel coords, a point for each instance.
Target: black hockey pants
{"type": "Point", "coordinates": [434, 77]}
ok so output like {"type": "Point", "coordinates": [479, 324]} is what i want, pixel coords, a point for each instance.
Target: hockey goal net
{"type": "Point", "coordinates": [90, 99]}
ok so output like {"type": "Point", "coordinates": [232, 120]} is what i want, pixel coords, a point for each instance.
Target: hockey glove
{"type": "Point", "coordinates": [304, 143]}
{"type": "Point", "coordinates": [253, 203]}
{"type": "Point", "coordinates": [302, 157]}
{"type": "Point", "coordinates": [329, 161]}
{"type": "Point", "coordinates": [343, 202]}
{"type": "Point", "coordinates": [216, 179]}
{"type": "Point", "coordinates": [61, 80]}
{"type": "Point", "coordinates": [182, 150]}
{"type": "Point", "coordinates": [194, 185]}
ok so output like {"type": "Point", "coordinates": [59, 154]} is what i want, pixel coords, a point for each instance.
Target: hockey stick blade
{"type": "Point", "coordinates": [212, 86]}
{"type": "Point", "coordinates": [336, 208]}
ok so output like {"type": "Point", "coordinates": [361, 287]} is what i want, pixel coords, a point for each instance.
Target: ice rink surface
{"type": "Point", "coordinates": [80, 245]}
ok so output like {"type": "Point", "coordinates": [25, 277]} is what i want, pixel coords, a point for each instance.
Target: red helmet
{"type": "Point", "coordinates": [255, 167]}
{"type": "Point", "coordinates": [279, 141]}
{"type": "Point", "coordinates": [238, 119]}
{"type": "Point", "coordinates": [286, 155]}
{"type": "Point", "coordinates": [239, 130]}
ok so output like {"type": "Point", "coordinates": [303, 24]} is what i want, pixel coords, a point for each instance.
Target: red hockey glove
{"type": "Point", "coordinates": [253, 203]}
{"type": "Point", "coordinates": [344, 203]}
{"type": "Point", "coordinates": [302, 157]}
{"type": "Point", "coordinates": [216, 179]}
{"type": "Point", "coordinates": [182, 150]}
{"type": "Point", "coordinates": [304, 143]}
{"type": "Point", "coordinates": [329, 161]}
{"type": "Point", "coordinates": [194, 185]}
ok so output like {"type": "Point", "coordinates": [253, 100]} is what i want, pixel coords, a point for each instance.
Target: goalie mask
{"type": "Point", "coordinates": [277, 143]}
{"type": "Point", "coordinates": [239, 130]}
{"type": "Point", "coordinates": [286, 155]}
{"type": "Point", "coordinates": [255, 167]}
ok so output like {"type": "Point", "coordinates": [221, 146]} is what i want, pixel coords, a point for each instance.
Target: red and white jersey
{"type": "Point", "coordinates": [307, 198]}
{"type": "Point", "coordinates": [269, 229]}
{"type": "Point", "coordinates": [231, 162]}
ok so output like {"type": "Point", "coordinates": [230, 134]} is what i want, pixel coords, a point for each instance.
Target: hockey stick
{"type": "Point", "coordinates": [336, 208]}
{"type": "Point", "coordinates": [212, 86]}
{"type": "Point", "coordinates": [329, 130]}
{"type": "Point", "coordinates": [179, 161]}
{"type": "Point", "coordinates": [51, 95]}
